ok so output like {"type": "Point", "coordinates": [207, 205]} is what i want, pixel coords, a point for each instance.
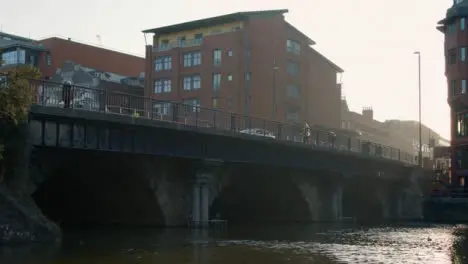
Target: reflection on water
{"type": "Point", "coordinates": [293, 244]}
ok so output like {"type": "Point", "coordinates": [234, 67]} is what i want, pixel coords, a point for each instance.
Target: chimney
{"type": "Point", "coordinates": [368, 113]}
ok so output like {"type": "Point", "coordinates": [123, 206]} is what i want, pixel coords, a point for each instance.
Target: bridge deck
{"type": "Point", "coordinates": [89, 112]}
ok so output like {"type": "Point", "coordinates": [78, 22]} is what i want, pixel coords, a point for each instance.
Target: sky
{"type": "Point", "coordinates": [372, 40]}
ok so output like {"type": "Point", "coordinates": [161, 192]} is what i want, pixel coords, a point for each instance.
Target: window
{"type": "Point", "coordinates": [463, 86]}
{"type": "Point", "coordinates": [217, 57]}
{"type": "Point", "coordinates": [457, 1]}
{"type": "Point", "coordinates": [292, 68]}
{"type": "Point", "coordinates": [463, 54]}
{"type": "Point", "coordinates": [462, 24]}
{"type": "Point", "coordinates": [195, 103]}
{"type": "Point", "coordinates": [462, 125]}
{"type": "Point", "coordinates": [229, 102]}
{"type": "Point", "coordinates": [293, 46]}
{"type": "Point", "coordinates": [163, 63]}
{"type": "Point", "coordinates": [292, 114]}
{"type": "Point", "coordinates": [452, 56]}
{"type": "Point", "coordinates": [162, 86]}
{"type": "Point", "coordinates": [14, 57]}
{"type": "Point", "coordinates": [32, 60]}
{"type": "Point", "coordinates": [216, 81]}
{"type": "Point", "coordinates": [215, 102]}
{"type": "Point", "coordinates": [192, 59]}
{"type": "Point", "coordinates": [161, 108]}
{"type": "Point", "coordinates": [164, 44]}
{"type": "Point", "coordinates": [230, 77]}
{"type": "Point", "coordinates": [230, 53]}
{"type": "Point", "coordinates": [293, 91]}
{"type": "Point", "coordinates": [192, 82]}
{"type": "Point", "coordinates": [48, 60]}
{"type": "Point", "coordinates": [181, 41]}
{"type": "Point", "coordinates": [451, 28]}
{"type": "Point", "coordinates": [247, 76]}
{"type": "Point", "coordinates": [461, 153]}
{"type": "Point", "coordinates": [453, 88]}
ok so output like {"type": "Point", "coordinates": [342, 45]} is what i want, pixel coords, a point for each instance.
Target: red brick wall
{"type": "Point", "coordinates": [93, 57]}
{"type": "Point", "coordinates": [321, 98]}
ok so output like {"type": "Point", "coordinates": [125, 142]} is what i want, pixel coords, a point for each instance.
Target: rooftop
{"type": "Point", "coordinates": [13, 41]}
{"type": "Point", "coordinates": [336, 67]}
{"type": "Point", "coordinates": [93, 45]}
{"type": "Point", "coordinates": [223, 19]}
{"type": "Point", "coordinates": [456, 10]}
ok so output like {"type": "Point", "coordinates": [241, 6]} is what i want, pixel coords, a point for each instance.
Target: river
{"type": "Point", "coordinates": [318, 244]}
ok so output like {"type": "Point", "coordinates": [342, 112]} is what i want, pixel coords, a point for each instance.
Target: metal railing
{"type": "Point", "coordinates": [178, 44]}
{"type": "Point", "coordinates": [53, 94]}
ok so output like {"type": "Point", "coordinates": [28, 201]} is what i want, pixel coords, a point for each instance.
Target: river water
{"type": "Point", "coordinates": [318, 244]}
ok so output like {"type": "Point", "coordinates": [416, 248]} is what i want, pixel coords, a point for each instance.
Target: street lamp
{"type": "Point", "coordinates": [420, 125]}
{"type": "Point", "coordinates": [273, 114]}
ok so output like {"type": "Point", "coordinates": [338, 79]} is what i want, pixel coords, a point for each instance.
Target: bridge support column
{"type": "Point", "coordinates": [201, 199]}
{"type": "Point", "coordinates": [399, 206]}
{"type": "Point", "coordinates": [196, 204]}
{"type": "Point", "coordinates": [337, 203]}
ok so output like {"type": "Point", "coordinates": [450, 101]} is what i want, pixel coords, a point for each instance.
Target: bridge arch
{"type": "Point", "coordinates": [362, 198]}
{"type": "Point", "coordinates": [254, 195]}
{"type": "Point", "coordinates": [84, 188]}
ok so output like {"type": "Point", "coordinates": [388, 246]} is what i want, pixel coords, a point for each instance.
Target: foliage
{"type": "Point", "coordinates": [16, 93]}
{"type": "Point", "coordinates": [16, 96]}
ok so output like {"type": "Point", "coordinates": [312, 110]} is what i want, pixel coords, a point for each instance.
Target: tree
{"type": "Point", "coordinates": [16, 96]}
{"type": "Point", "coordinates": [16, 93]}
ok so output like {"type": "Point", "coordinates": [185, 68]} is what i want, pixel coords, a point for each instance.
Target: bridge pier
{"type": "Point", "coordinates": [337, 203]}
{"type": "Point", "coordinates": [201, 199]}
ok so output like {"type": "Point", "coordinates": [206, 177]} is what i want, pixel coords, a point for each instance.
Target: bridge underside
{"type": "Point", "coordinates": [95, 188]}
{"type": "Point", "coordinates": [261, 198]}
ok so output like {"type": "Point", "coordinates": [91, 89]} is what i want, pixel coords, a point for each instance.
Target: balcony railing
{"type": "Point", "coordinates": [179, 44]}
{"type": "Point", "coordinates": [53, 94]}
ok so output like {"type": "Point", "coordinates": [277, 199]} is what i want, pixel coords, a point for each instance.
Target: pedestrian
{"type": "Point", "coordinates": [66, 93]}
{"type": "Point", "coordinates": [306, 132]}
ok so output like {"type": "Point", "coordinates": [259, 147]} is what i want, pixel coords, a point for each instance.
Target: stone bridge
{"type": "Point", "coordinates": [101, 168]}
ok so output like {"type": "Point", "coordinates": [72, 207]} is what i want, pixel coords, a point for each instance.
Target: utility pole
{"type": "Point", "coordinates": [420, 163]}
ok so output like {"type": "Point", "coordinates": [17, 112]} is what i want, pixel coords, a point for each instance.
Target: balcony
{"type": "Point", "coordinates": [179, 44]}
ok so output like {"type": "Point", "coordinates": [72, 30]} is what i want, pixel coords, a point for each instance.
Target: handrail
{"type": "Point", "coordinates": [53, 94]}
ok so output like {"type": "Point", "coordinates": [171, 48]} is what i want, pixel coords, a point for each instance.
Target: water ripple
{"type": "Point", "coordinates": [380, 245]}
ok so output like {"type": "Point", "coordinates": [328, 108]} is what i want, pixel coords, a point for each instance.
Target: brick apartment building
{"type": "Point", "coordinates": [252, 63]}
{"type": "Point", "coordinates": [455, 29]}
{"type": "Point", "coordinates": [115, 70]}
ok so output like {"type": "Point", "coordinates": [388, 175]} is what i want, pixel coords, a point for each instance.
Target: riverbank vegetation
{"type": "Point", "coordinates": [16, 96]}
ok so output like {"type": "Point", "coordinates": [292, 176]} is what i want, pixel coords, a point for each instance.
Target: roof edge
{"type": "Point", "coordinates": [336, 67]}
{"type": "Point", "coordinates": [60, 38]}
{"type": "Point", "coordinates": [309, 40]}
{"type": "Point", "coordinates": [233, 16]}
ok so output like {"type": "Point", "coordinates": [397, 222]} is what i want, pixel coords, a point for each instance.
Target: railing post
{"type": "Point", "coordinates": [233, 122]}
{"type": "Point", "coordinates": [106, 100]}
{"type": "Point", "coordinates": [278, 132]}
{"type": "Point", "coordinates": [175, 111]}
{"type": "Point", "coordinates": [42, 93]}
{"type": "Point", "coordinates": [150, 109]}
{"type": "Point", "coordinates": [214, 118]}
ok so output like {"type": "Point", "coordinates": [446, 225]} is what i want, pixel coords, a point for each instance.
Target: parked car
{"type": "Point", "coordinates": [258, 132]}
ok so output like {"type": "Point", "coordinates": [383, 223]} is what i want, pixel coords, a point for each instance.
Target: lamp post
{"type": "Point", "coordinates": [420, 163]}
{"type": "Point", "coordinates": [273, 112]}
